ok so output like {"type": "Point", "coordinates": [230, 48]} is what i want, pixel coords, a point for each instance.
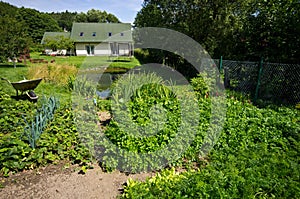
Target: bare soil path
{"type": "Point", "coordinates": [56, 182]}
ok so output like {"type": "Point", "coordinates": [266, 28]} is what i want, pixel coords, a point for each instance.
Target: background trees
{"type": "Point", "coordinates": [272, 30]}
{"type": "Point", "coordinates": [36, 23]}
{"type": "Point", "coordinates": [241, 29]}
{"type": "Point", "coordinates": [96, 16]}
{"type": "Point", "coordinates": [14, 40]}
{"type": "Point", "coordinates": [64, 19]}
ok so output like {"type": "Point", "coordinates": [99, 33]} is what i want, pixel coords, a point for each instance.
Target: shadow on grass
{"type": "Point", "coordinates": [23, 97]}
{"type": "Point", "coordinates": [11, 65]}
{"type": "Point", "coordinates": [121, 61]}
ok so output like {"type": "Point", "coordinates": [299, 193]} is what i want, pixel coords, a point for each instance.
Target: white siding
{"type": "Point", "coordinates": [102, 49]}
{"type": "Point", "coordinates": [123, 49]}
{"type": "Point", "coordinates": [80, 50]}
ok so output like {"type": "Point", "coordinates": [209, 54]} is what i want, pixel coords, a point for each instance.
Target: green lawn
{"type": "Point", "coordinates": [20, 72]}
{"type": "Point", "coordinates": [91, 61]}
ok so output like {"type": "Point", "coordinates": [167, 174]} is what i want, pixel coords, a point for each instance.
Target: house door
{"type": "Point", "coordinates": [114, 48]}
{"type": "Point", "coordinates": [90, 49]}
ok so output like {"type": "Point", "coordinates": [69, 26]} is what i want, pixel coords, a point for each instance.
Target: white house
{"type": "Point", "coordinates": [101, 39]}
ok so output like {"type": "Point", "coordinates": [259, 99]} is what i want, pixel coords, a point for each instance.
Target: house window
{"type": "Point", "coordinates": [94, 34]}
{"type": "Point", "coordinates": [109, 34]}
{"type": "Point", "coordinates": [122, 34]}
{"type": "Point", "coordinates": [81, 34]}
{"type": "Point", "coordinates": [90, 49]}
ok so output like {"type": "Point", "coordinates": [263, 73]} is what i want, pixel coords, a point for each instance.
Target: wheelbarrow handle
{"type": "Point", "coordinates": [2, 78]}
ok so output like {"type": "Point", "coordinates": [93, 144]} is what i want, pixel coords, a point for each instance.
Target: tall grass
{"type": "Point", "coordinates": [53, 73]}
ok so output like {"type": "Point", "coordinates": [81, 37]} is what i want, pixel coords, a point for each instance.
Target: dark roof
{"type": "Point", "coordinates": [54, 34]}
{"type": "Point", "coordinates": [99, 32]}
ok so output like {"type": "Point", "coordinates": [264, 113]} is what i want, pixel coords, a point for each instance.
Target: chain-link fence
{"type": "Point", "coordinates": [278, 83]}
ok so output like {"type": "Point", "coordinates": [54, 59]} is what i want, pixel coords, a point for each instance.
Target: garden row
{"type": "Point", "coordinates": [31, 137]}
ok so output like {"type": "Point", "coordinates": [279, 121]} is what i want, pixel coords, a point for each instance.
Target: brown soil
{"type": "Point", "coordinates": [56, 181]}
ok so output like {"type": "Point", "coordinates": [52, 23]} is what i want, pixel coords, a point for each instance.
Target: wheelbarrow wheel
{"type": "Point", "coordinates": [32, 95]}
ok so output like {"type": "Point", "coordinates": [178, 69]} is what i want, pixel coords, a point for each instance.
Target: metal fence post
{"type": "Point", "coordinates": [221, 64]}
{"type": "Point", "coordinates": [259, 78]}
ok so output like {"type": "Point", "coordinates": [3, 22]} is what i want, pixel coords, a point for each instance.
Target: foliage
{"type": "Point", "coordinates": [256, 156]}
{"type": "Point", "coordinates": [60, 140]}
{"type": "Point", "coordinates": [103, 105]}
{"type": "Point", "coordinates": [36, 23]}
{"type": "Point", "coordinates": [64, 19]}
{"type": "Point", "coordinates": [147, 117]}
{"type": "Point", "coordinates": [43, 115]}
{"type": "Point", "coordinates": [82, 86]}
{"type": "Point", "coordinates": [59, 42]}
{"type": "Point", "coordinates": [238, 30]}
{"type": "Point", "coordinates": [200, 86]}
{"type": "Point", "coordinates": [11, 113]}
{"type": "Point", "coordinates": [96, 16]}
{"type": "Point", "coordinates": [20, 28]}
{"type": "Point", "coordinates": [271, 25]}
{"type": "Point", "coordinates": [219, 18]}
{"type": "Point", "coordinates": [13, 39]}
{"type": "Point", "coordinates": [142, 112]}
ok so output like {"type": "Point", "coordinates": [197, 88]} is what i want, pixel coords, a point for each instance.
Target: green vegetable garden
{"type": "Point", "coordinates": [255, 154]}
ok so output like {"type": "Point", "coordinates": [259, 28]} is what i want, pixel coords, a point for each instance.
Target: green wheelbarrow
{"type": "Point", "coordinates": [25, 86]}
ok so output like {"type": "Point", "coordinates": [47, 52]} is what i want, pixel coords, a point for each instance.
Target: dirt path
{"type": "Point", "coordinates": [56, 182]}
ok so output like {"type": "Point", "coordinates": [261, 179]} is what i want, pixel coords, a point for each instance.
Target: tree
{"type": "Point", "coordinates": [272, 30]}
{"type": "Point", "coordinates": [81, 17]}
{"type": "Point", "coordinates": [64, 19]}
{"type": "Point", "coordinates": [59, 42]}
{"type": "Point", "coordinates": [240, 29]}
{"type": "Point", "coordinates": [14, 40]}
{"type": "Point", "coordinates": [96, 16]}
{"type": "Point", "coordinates": [214, 24]}
{"type": "Point", "coordinates": [36, 23]}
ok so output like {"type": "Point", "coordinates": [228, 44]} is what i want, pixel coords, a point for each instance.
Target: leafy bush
{"type": "Point", "coordinates": [204, 85]}
{"type": "Point", "coordinates": [200, 86]}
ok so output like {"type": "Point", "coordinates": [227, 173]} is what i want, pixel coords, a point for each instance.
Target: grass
{"type": "Point", "coordinates": [90, 61]}
{"type": "Point", "coordinates": [54, 73]}
{"type": "Point", "coordinates": [55, 83]}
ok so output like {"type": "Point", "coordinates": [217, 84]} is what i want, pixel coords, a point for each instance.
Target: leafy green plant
{"type": "Point", "coordinates": [255, 157]}
{"type": "Point", "coordinates": [60, 141]}
{"type": "Point", "coordinates": [45, 114]}
{"type": "Point", "coordinates": [83, 86]}
{"type": "Point", "coordinates": [147, 117]}
{"type": "Point", "coordinates": [204, 85]}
